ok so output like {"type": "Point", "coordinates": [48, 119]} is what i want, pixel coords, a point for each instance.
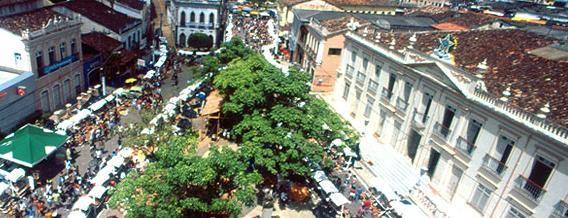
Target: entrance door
{"type": "Point", "coordinates": [504, 147]}
{"type": "Point", "coordinates": [396, 130]}
{"type": "Point", "coordinates": [541, 170]}
{"type": "Point", "coordinates": [447, 121]}
{"type": "Point", "coordinates": [412, 144]}
{"type": "Point", "coordinates": [454, 180]}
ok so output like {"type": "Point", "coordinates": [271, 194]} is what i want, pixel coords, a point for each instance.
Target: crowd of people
{"type": "Point", "coordinates": [253, 30]}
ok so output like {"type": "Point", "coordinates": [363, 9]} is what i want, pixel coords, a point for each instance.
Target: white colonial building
{"type": "Point", "coordinates": [474, 126]}
{"type": "Point", "coordinates": [195, 16]}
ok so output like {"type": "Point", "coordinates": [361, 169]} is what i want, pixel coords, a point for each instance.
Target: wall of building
{"type": "Point", "coordinates": [67, 79]}
{"type": "Point", "coordinates": [184, 30]}
{"type": "Point", "coordinates": [13, 53]}
{"type": "Point", "coordinates": [13, 107]}
{"type": "Point", "coordinates": [22, 7]}
{"type": "Point", "coordinates": [326, 72]}
{"type": "Point", "coordinates": [506, 190]}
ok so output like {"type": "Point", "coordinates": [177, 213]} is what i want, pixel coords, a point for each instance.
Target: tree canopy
{"type": "Point", "coordinates": [180, 183]}
{"type": "Point", "coordinates": [279, 125]}
{"type": "Point", "coordinates": [200, 41]}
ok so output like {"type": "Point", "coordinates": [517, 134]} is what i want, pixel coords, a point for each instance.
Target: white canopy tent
{"type": "Point", "coordinates": [76, 214]}
{"type": "Point", "coordinates": [15, 175]}
{"type": "Point", "coordinates": [319, 176]}
{"type": "Point", "coordinates": [97, 191]}
{"type": "Point", "coordinates": [83, 203]}
{"type": "Point", "coordinates": [328, 187]}
{"type": "Point", "coordinates": [338, 199]}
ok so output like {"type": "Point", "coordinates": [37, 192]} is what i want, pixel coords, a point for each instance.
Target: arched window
{"type": "Point", "coordinates": [181, 40]}
{"type": "Point", "coordinates": [182, 19]}
{"type": "Point", "coordinates": [211, 18]}
{"type": "Point", "coordinates": [192, 17]}
{"type": "Point", "coordinates": [201, 18]}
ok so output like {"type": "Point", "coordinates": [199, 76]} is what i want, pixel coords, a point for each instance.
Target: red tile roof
{"type": "Point", "coordinates": [338, 24]}
{"type": "Point", "coordinates": [136, 4]}
{"type": "Point", "coordinates": [360, 2]}
{"type": "Point", "coordinates": [534, 80]}
{"type": "Point", "coordinates": [101, 14]}
{"type": "Point", "coordinates": [32, 21]}
{"type": "Point", "coordinates": [9, 2]}
{"type": "Point", "coordinates": [100, 42]}
{"type": "Point", "coordinates": [448, 26]}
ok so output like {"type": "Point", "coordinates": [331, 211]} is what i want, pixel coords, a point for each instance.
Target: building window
{"type": "Point", "coordinates": [361, 78]}
{"type": "Point", "coordinates": [62, 50]}
{"type": "Point", "coordinates": [346, 90]}
{"type": "Point", "coordinates": [182, 19]}
{"type": "Point", "coordinates": [39, 63]}
{"type": "Point", "coordinates": [57, 96]}
{"type": "Point", "coordinates": [353, 57]}
{"type": "Point", "coordinates": [378, 69]}
{"type": "Point", "coordinates": [365, 64]}
{"type": "Point", "coordinates": [192, 17]}
{"type": "Point", "coordinates": [73, 46]}
{"type": "Point", "coordinates": [17, 58]}
{"type": "Point", "coordinates": [45, 105]}
{"type": "Point", "coordinates": [373, 87]}
{"type": "Point", "coordinates": [480, 197]}
{"type": "Point", "coordinates": [334, 51]}
{"type": "Point", "coordinates": [77, 85]}
{"type": "Point", "coordinates": [211, 18]}
{"type": "Point", "coordinates": [515, 213]}
{"type": "Point", "coordinates": [358, 92]}
{"type": "Point", "coordinates": [201, 17]}
{"type": "Point", "coordinates": [369, 107]}
{"type": "Point", "coordinates": [66, 90]}
{"type": "Point", "coordinates": [51, 55]}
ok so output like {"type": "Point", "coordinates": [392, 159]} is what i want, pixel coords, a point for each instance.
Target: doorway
{"type": "Point", "coordinates": [412, 144]}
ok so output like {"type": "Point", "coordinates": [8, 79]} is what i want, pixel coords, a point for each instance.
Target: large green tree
{"type": "Point", "coordinates": [200, 41]}
{"type": "Point", "coordinates": [279, 125]}
{"type": "Point", "coordinates": [181, 184]}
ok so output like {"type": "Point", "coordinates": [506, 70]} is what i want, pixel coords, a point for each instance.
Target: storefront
{"type": "Point", "coordinates": [16, 96]}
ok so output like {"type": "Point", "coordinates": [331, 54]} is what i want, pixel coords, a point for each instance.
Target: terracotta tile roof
{"type": "Point", "coordinates": [100, 42]}
{"type": "Point", "coordinates": [101, 14]}
{"type": "Point", "coordinates": [9, 2]}
{"type": "Point", "coordinates": [339, 24]}
{"type": "Point", "coordinates": [33, 20]}
{"type": "Point", "coordinates": [448, 26]}
{"type": "Point", "coordinates": [359, 2]}
{"type": "Point", "coordinates": [534, 80]}
{"type": "Point", "coordinates": [463, 18]}
{"type": "Point", "coordinates": [136, 4]}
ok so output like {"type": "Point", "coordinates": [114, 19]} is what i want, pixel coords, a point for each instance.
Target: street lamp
{"type": "Point", "coordinates": [161, 32]}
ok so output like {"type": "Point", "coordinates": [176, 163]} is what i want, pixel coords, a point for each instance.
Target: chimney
{"type": "Point", "coordinates": [378, 37]}
{"type": "Point", "coordinates": [392, 43]}
{"type": "Point", "coordinates": [506, 94]}
{"type": "Point", "coordinates": [544, 110]}
{"type": "Point", "coordinates": [482, 69]}
{"type": "Point", "coordinates": [412, 40]}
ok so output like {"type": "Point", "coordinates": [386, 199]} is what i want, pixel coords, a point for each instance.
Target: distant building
{"type": "Point", "coordinates": [195, 16]}
{"type": "Point", "coordinates": [466, 123]}
{"type": "Point", "coordinates": [98, 17]}
{"type": "Point", "coordinates": [98, 50]}
{"type": "Point", "coordinates": [49, 45]}
{"type": "Point", "coordinates": [139, 9]}
{"type": "Point", "coordinates": [17, 90]}
{"type": "Point", "coordinates": [9, 7]}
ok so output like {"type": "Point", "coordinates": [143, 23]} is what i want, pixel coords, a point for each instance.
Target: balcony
{"type": "Point", "coordinates": [349, 71]}
{"type": "Point", "coordinates": [57, 65]}
{"type": "Point", "coordinates": [360, 79]}
{"type": "Point", "coordinates": [199, 25]}
{"type": "Point", "coordinates": [529, 189]}
{"type": "Point", "coordinates": [419, 119]}
{"type": "Point", "coordinates": [494, 166]}
{"type": "Point", "coordinates": [465, 147]}
{"type": "Point", "coordinates": [386, 95]}
{"type": "Point", "coordinates": [442, 131]}
{"type": "Point", "coordinates": [401, 104]}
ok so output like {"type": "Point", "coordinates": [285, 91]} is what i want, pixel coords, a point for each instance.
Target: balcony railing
{"type": "Point", "coordinates": [360, 79]}
{"type": "Point", "coordinates": [372, 90]}
{"type": "Point", "coordinates": [199, 25]}
{"type": "Point", "coordinates": [529, 188]}
{"type": "Point", "coordinates": [442, 131]}
{"type": "Point", "coordinates": [401, 104]}
{"type": "Point", "coordinates": [349, 71]}
{"type": "Point", "coordinates": [386, 94]}
{"type": "Point", "coordinates": [465, 147]}
{"type": "Point", "coordinates": [420, 117]}
{"type": "Point", "coordinates": [493, 165]}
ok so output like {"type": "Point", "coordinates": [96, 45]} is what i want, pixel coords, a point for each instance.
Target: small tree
{"type": "Point", "coordinates": [200, 41]}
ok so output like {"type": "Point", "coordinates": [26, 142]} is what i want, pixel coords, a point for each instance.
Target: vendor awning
{"type": "Point", "coordinates": [328, 186]}
{"type": "Point", "coordinates": [97, 191]}
{"type": "Point", "coordinates": [338, 199]}
{"type": "Point", "coordinates": [30, 144]}
{"type": "Point", "coordinates": [319, 176]}
{"type": "Point", "coordinates": [212, 103]}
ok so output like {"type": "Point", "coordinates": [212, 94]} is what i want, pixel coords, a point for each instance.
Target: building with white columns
{"type": "Point", "coordinates": [195, 16]}
{"type": "Point", "coordinates": [466, 123]}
